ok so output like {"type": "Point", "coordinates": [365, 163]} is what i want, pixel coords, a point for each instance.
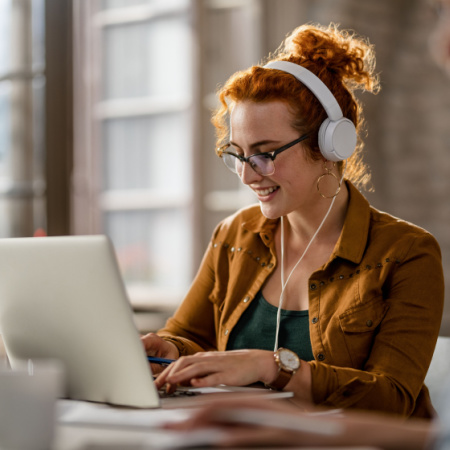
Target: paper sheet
{"type": "Point", "coordinates": [87, 413]}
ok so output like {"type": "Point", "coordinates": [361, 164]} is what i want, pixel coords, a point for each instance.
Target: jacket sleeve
{"type": "Point", "coordinates": [392, 376]}
{"type": "Point", "coordinates": [192, 328]}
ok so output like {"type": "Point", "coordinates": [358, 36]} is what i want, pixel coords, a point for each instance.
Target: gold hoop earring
{"type": "Point", "coordinates": [328, 172]}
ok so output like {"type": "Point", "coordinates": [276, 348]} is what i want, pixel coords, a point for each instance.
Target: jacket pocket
{"type": "Point", "coordinates": [360, 324]}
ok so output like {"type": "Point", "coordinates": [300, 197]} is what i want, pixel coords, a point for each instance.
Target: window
{"type": "Point", "coordinates": [22, 104]}
{"type": "Point", "coordinates": [145, 169]}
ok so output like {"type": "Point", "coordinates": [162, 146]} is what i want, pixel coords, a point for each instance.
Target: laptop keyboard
{"type": "Point", "coordinates": [177, 393]}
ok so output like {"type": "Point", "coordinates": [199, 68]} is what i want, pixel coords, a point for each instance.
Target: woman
{"type": "Point", "coordinates": [354, 294]}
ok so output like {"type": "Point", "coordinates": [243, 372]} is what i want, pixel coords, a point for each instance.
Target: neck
{"type": "Point", "coordinates": [301, 226]}
{"type": "Point", "coordinates": [327, 222]}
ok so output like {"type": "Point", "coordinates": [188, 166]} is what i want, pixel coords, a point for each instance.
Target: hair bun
{"type": "Point", "coordinates": [341, 52]}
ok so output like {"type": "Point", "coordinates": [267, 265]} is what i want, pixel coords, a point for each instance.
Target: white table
{"type": "Point", "coordinates": [90, 426]}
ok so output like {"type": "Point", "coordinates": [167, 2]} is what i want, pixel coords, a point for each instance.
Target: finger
{"type": "Point", "coordinates": [156, 368]}
{"type": "Point", "coordinates": [155, 345]}
{"type": "Point", "coordinates": [197, 370]}
{"type": "Point", "coordinates": [162, 377]}
{"type": "Point", "coordinates": [175, 368]}
{"type": "Point", "coordinates": [150, 342]}
{"type": "Point", "coordinates": [168, 372]}
{"type": "Point", "coordinates": [212, 379]}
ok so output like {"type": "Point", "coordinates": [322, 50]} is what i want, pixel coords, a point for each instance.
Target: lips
{"type": "Point", "coordinates": [265, 192]}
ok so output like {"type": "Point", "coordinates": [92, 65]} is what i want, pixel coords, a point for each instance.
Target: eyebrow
{"type": "Point", "coordinates": [257, 144]}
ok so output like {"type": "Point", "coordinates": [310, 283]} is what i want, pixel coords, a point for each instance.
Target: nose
{"type": "Point", "coordinates": [248, 175]}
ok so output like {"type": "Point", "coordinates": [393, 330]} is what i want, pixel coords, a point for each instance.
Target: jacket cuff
{"type": "Point", "coordinates": [349, 394]}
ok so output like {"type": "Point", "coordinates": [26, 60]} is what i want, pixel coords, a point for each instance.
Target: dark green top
{"type": "Point", "coordinates": [256, 329]}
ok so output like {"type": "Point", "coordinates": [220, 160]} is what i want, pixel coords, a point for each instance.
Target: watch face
{"type": "Point", "coordinates": [289, 359]}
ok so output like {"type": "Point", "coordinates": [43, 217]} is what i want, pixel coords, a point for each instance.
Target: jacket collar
{"type": "Point", "coordinates": [354, 235]}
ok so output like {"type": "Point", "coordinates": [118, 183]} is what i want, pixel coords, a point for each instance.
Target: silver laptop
{"type": "Point", "coordinates": [64, 298]}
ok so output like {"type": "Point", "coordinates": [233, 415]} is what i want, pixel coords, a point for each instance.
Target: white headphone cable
{"type": "Point", "coordinates": [283, 284]}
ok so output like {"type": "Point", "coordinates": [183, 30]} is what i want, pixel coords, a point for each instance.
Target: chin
{"type": "Point", "coordinates": [269, 213]}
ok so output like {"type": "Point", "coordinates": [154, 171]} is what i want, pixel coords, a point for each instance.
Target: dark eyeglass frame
{"type": "Point", "coordinates": [272, 155]}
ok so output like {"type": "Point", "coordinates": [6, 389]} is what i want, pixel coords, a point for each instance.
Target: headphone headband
{"type": "Point", "coordinates": [337, 134]}
{"type": "Point", "coordinates": [313, 83]}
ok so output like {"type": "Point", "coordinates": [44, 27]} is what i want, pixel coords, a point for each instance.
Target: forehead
{"type": "Point", "coordinates": [268, 119]}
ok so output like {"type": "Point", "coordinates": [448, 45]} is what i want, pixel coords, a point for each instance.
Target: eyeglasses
{"type": "Point", "coordinates": [261, 163]}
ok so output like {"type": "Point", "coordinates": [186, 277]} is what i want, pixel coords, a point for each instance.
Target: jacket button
{"type": "Point", "coordinates": [320, 356]}
{"type": "Point", "coordinates": [369, 323]}
{"type": "Point", "coordinates": [314, 320]}
{"type": "Point", "coordinates": [313, 286]}
{"type": "Point", "coordinates": [226, 332]}
{"type": "Point", "coordinates": [246, 299]}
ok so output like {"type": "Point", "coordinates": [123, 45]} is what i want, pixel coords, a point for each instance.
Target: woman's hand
{"type": "Point", "coordinates": [156, 346]}
{"type": "Point", "coordinates": [226, 415]}
{"type": "Point", "coordinates": [258, 423]}
{"type": "Point", "coordinates": [233, 368]}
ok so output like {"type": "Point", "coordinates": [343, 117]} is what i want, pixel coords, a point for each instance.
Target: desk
{"type": "Point", "coordinates": [84, 438]}
{"type": "Point", "coordinates": [124, 429]}
{"type": "Point", "coordinates": [79, 437]}
{"type": "Point", "coordinates": [87, 426]}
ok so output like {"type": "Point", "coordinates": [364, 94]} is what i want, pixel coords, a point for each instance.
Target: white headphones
{"type": "Point", "coordinates": [337, 134]}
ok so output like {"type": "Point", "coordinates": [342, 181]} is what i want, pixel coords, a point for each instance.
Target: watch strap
{"type": "Point", "coordinates": [281, 380]}
{"type": "Point", "coordinates": [284, 373]}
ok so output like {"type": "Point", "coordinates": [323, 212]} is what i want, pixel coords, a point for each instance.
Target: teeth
{"type": "Point", "coordinates": [267, 191]}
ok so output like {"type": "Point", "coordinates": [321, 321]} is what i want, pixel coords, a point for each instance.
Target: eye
{"type": "Point", "coordinates": [261, 157]}
{"type": "Point", "coordinates": [235, 150]}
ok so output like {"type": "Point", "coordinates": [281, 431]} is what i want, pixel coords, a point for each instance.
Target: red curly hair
{"type": "Point", "coordinates": [343, 61]}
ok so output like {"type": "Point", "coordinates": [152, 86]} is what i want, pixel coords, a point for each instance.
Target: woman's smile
{"type": "Point", "coordinates": [264, 194]}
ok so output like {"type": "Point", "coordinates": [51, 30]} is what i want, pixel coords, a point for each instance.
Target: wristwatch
{"type": "Point", "coordinates": [288, 363]}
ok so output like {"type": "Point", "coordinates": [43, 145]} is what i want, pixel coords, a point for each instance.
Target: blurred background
{"type": "Point", "coordinates": [105, 109]}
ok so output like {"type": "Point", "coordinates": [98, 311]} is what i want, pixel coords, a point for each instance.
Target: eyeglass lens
{"type": "Point", "coordinates": [261, 164]}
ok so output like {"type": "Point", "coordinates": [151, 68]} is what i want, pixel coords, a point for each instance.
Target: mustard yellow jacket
{"type": "Point", "coordinates": [375, 307]}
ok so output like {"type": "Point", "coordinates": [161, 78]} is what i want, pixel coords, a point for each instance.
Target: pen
{"type": "Point", "coordinates": [161, 361]}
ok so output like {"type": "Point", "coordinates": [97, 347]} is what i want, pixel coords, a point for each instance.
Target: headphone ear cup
{"type": "Point", "coordinates": [337, 139]}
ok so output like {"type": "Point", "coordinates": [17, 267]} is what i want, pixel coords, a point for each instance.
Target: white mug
{"type": "Point", "coordinates": [28, 396]}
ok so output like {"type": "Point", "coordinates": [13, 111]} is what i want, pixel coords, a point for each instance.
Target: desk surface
{"type": "Point", "coordinates": [90, 426]}
{"type": "Point", "coordinates": [86, 426]}
{"type": "Point", "coordinates": [95, 438]}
